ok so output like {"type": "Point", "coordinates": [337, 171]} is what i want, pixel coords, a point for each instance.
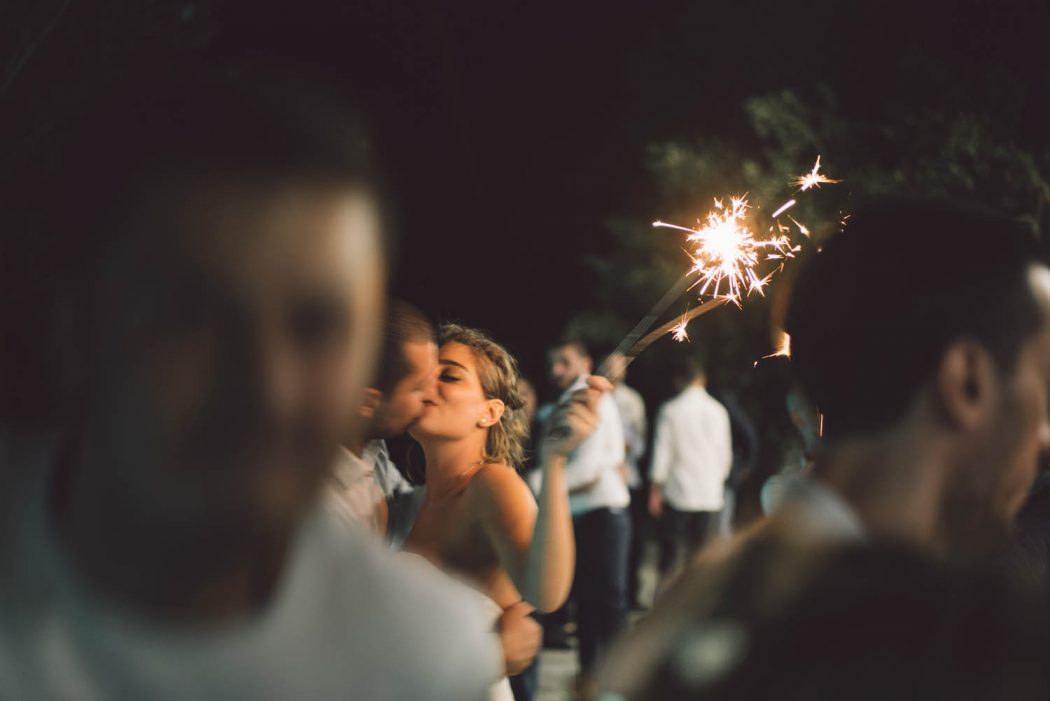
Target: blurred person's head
{"type": "Point", "coordinates": [616, 365]}
{"type": "Point", "coordinates": [688, 371]}
{"type": "Point", "coordinates": [924, 327]}
{"type": "Point", "coordinates": [407, 373]}
{"type": "Point", "coordinates": [528, 395]}
{"type": "Point", "coordinates": [227, 302]}
{"type": "Point", "coordinates": [568, 360]}
{"type": "Point", "coordinates": [477, 398]}
{"type": "Point", "coordinates": [871, 623]}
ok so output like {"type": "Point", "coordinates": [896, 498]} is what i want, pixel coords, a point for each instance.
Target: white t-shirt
{"type": "Point", "coordinates": [349, 620]}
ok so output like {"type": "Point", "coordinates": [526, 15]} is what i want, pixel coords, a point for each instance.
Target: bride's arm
{"type": "Point", "coordinates": [536, 546]}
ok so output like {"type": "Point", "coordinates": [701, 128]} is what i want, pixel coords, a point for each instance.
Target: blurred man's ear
{"type": "Point", "coordinates": [370, 403]}
{"type": "Point", "coordinates": [967, 384]}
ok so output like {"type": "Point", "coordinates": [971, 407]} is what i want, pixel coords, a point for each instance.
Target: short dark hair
{"type": "Point", "coordinates": [176, 125]}
{"type": "Point", "coordinates": [159, 128]}
{"type": "Point", "coordinates": [403, 324]}
{"type": "Point", "coordinates": [574, 342]}
{"type": "Point", "coordinates": [871, 314]}
{"type": "Point", "coordinates": [685, 368]}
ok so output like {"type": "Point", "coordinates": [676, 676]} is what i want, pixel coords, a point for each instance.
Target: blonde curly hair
{"type": "Point", "coordinates": [498, 372]}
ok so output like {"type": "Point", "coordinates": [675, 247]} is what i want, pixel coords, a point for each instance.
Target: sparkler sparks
{"type": "Point", "coordinates": [783, 346]}
{"type": "Point", "coordinates": [801, 227]}
{"type": "Point", "coordinates": [679, 333]}
{"type": "Point", "coordinates": [783, 343]}
{"type": "Point", "coordinates": [813, 178]}
{"type": "Point", "coordinates": [725, 251]}
{"type": "Point", "coordinates": [783, 208]}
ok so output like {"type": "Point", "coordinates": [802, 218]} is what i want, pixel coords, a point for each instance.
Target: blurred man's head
{"type": "Point", "coordinates": [528, 394]}
{"type": "Point", "coordinates": [567, 361]}
{"type": "Point", "coordinates": [229, 299]}
{"type": "Point", "coordinates": [933, 320]}
{"type": "Point", "coordinates": [407, 373]}
{"type": "Point", "coordinates": [688, 371]}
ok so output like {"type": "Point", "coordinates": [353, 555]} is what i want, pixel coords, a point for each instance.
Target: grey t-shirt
{"type": "Point", "coordinates": [350, 620]}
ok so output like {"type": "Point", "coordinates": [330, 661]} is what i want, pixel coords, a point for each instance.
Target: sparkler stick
{"type": "Point", "coordinates": [632, 346]}
{"type": "Point", "coordinates": [648, 320]}
{"type": "Point", "coordinates": [670, 326]}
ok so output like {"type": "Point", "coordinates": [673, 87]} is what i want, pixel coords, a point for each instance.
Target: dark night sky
{"type": "Point", "coordinates": [513, 130]}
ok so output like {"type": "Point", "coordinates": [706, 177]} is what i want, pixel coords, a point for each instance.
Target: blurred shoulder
{"type": "Point", "coordinates": [398, 601]}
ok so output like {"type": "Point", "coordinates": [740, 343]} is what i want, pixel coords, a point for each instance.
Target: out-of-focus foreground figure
{"type": "Point", "coordinates": [216, 338]}
{"type": "Point", "coordinates": [934, 399]}
{"type": "Point", "coordinates": [853, 632]}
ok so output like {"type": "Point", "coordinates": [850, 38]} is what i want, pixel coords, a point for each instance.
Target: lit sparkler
{"type": "Point", "coordinates": [813, 178]}
{"type": "Point", "coordinates": [726, 252]}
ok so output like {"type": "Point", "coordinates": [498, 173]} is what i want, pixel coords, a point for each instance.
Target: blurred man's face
{"type": "Point", "coordinates": [402, 405]}
{"type": "Point", "coordinates": [982, 505]}
{"type": "Point", "coordinates": [567, 365]}
{"type": "Point", "coordinates": [528, 395]}
{"type": "Point", "coordinates": [231, 351]}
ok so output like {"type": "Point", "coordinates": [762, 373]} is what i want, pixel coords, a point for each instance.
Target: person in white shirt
{"type": "Point", "coordinates": [635, 428]}
{"type": "Point", "coordinates": [225, 312]}
{"type": "Point", "coordinates": [598, 499]}
{"type": "Point", "coordinates": [692, 455]}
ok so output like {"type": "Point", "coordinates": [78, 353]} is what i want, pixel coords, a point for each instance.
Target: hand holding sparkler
{"type": "Point", "coordinates": [574, 420]}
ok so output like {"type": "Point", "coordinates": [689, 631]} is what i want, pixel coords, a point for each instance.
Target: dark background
{"type": "Point", "coordinates": [524, 138]}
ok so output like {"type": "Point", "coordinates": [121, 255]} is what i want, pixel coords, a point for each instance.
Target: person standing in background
{"type": "Point", "coordinates": [598, 499]}
{"type": "Point", "coordinates": [635, 429]}
{"type": "Point", "coordinates": [692, 455]}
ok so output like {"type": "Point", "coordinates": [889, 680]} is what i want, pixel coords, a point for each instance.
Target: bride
{"type": "Point", "coordinates": [478, 519]}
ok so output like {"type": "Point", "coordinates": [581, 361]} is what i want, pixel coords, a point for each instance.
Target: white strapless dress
{"type": "Point", "coordinates": [501, 690]}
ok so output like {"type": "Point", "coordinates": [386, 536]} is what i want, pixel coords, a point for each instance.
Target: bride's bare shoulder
{"type": "Point", "coordinates": [499, 481]}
